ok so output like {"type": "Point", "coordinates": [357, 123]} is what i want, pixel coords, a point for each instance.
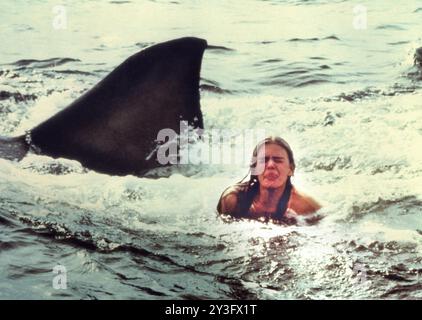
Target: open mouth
{"type": "Point", "coordinates": [271, 176]}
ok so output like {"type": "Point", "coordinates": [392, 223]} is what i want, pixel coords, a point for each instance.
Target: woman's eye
{"type": "Point", "coordinates": [266, 159]}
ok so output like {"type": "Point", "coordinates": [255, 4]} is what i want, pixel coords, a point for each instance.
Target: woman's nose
{"type": "Point", "coordinates": [270, 163]}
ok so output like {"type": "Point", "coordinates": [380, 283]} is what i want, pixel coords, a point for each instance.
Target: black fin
{"type": "Point", "coordinates": [112, 127]}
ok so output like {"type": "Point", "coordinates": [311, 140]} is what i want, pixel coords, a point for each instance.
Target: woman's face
{"type": "Point", "coordinates": [275, 163]}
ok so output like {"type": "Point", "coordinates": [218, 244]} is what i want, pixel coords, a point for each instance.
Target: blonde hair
{"type": "Point", "coordinates": [251, 187]}
{"type": "Point", "coordinates": [272, 140]}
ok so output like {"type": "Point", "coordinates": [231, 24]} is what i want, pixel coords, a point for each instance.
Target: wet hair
{"type": "Point", "coordinates": [272, 140]}
{"type": "Point", "coordinates": [253, 183]}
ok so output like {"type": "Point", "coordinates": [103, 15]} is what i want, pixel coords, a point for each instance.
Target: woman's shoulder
{"type": "Point", "coordinates": [230, 197]}
{"type": "Point", "coordinates": [236, 189]}
{"type": "Point", "coordinates": [301, 203]}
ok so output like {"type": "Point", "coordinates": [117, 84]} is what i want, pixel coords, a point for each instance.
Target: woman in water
{"type": "Point", "coordinates": [268, 194]}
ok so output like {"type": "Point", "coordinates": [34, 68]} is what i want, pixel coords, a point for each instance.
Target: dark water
{"type": "Point", "coordinates": [348, 101]}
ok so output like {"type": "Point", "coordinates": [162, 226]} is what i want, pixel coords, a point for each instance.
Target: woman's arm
{"type": "Point", "coordinates": [227, 203]}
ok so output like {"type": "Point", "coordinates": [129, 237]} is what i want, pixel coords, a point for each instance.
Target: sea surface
{"type": "Point", "coordinates": [335, 79]}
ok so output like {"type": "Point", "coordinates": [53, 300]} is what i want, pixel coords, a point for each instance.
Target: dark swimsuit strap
{"type": "Point", "coordinates": [248, 196]}
{"type": "Point", "coordinates": [284, 201]}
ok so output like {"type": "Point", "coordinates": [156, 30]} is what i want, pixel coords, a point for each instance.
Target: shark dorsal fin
{"type": "Point", "coordinates": [112, 127]}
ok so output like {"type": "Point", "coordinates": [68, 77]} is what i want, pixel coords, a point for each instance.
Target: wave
{"type": "Point", "coordinates": [45, 165]}
{"type": "Point", "coordinates": [390, 27]}
{"type": "Point", "coordinates": [8, 74]}
{"type": "Point", "coordinates": [303, 39]}
{"type": "Point", "coordinates": [308, 74]}
{"type": "Point", "coordinates": [268, 61]}
{"type": "Point", "coordinates": [77, 72]}
{"type": "Point", "coordinates": [418, 57]}
{"type": "Point", "coordinates": [86, 239]}
{"type": "Point", "coordinates": [332, 37]}
{"type": "Point", "coordinates": [294, 74]}
{"type": "Point", "coordinates": [318, 58]}
{"type": "Point", "coordinates": [339, 162]}
{"type": "Point", "coordinates": [212, 86]}
{"type": "Point", "coordinates": [396, 43]}
{"type": "Point", "coordinates": [219, 48]}
{"type": "Point", "coordinates": [311, 82]}
{"type": "Point", "coordinates": [17, 96]}
{"type": "Point", "coordinates": [263, 42]}
{"type": "Point", "coordinates": [404, 291]}
{"type": "Point", "coordinates": [142, 246]}
{"type": "Point", "coordinates": [405, 204]}
{"type": "Point", "coordinates": [40, 64]}
{"type": "Point", "coordinates": [5, 221]}
{"type": "Point", "coordinates": [298, 78]}
{"type": "Point", "coordinates": [214, 89]}
{"type": "Point", "coordinates": [359, 95]}
{"type": "Point", "coordinates": [143, 45]}
{"type": "Point", "coordinates": [387, 268]}
{"type": "Point", "coordinates": [377, 247]}
{"type": "Point", "coordinates": [120, 2]}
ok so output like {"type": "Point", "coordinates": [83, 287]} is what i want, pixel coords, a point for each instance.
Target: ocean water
{"type": "Point", "coordinates": [337, 81]}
